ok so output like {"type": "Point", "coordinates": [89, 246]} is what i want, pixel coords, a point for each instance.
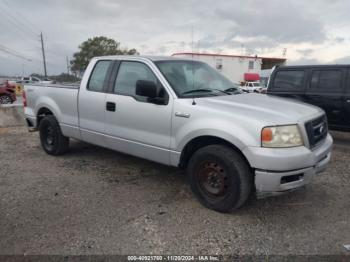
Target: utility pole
{"type": "Point", "coordinates": [43, 50]}
{"type": "Point", "coordinates": [67, 65]}
{"type": "Point", "coordinates": [192, 40]}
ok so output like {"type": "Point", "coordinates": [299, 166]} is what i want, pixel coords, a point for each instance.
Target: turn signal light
{"type": "Point", "coordinates": [266, 135]}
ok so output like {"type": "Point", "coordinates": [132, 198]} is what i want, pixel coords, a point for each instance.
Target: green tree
{"type": "Point", "coordinates": [97, 46]}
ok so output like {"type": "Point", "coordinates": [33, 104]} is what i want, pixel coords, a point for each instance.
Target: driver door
{"type": "Point", "coordinates": [134, 125]}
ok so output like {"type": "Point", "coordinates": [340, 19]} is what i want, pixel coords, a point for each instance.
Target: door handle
{"type": "Point", "coordinates": [181, 114]}
{"type": "Point", "coordinates": [110, 106]}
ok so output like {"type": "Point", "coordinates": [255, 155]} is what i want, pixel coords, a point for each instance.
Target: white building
{"type": "Point", "coordinates": [235, 67]}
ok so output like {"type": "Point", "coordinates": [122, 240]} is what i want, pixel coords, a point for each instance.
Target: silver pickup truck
{"type": "Point", "coordinates": [184, 113]}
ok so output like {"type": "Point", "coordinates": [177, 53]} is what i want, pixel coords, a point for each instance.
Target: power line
{"type": "Point", "coordinates": [29, 23]}
{"type": "Point", "coordinates": [19, 35]}
{"type": "Point", "coordinates": [21, 55]}
{"type": "Point", "coordinates": [22, 25]}
{"type": "Point", "coordinates": [24, 32]}
{"type": "Point", "coordinates": [33, 28]}
{"type": "Point", "coordinates": [14, 53]}
{"type": "Point", "coordinates": [26, 58]}
{"type": "Point", "coordinates": [18, 26]}
{"type": "Point", "coordinates": [27, 30]}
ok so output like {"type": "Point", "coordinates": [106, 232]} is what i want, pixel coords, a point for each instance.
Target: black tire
{"type": "Point", "coordinates": [5, 99]}
{"type": "Point", "coordinates": [220, 178]}
{"type": "Point", "coordinates": [51, 138]}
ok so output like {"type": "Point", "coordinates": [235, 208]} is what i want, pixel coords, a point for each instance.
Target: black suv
{"type": "Point", "coordinates": [326, 86]}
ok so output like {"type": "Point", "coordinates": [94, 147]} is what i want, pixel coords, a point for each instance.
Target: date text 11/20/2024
{"type": "Point", "coordinates": [174, 258]}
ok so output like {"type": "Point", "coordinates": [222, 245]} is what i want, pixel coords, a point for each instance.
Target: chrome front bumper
{"type": "Point", "coordinates": [274, 182]}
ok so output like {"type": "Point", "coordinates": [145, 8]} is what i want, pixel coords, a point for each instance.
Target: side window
{"type": "Point", "coordinates": [348, 82]}
{"type": "Point", "coordinates": [98, 76]}
{"type": "Point", "coordinates": [314, 79]}
{"type": "Point", "coordinates": [289, 79]}
{"type": "Point", "coordinates": [128, 74]}
{"type": "Point", "coordinates": [326, 80]}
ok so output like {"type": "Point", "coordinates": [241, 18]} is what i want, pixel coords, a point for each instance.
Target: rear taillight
{"type": "Point", "coordinates": [24, 98]}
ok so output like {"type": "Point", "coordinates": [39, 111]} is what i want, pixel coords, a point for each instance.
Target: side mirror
{"type": "Point", "coordinates": [146, 88]}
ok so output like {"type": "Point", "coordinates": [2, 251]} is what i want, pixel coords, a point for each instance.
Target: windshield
{"type": "Point", "coordinates": [195, 79]}
{"type": "Point", "coordinates": [256, 84]}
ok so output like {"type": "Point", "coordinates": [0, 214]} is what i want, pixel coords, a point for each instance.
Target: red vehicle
{"type": "Point", "coordinates": [7, 92]}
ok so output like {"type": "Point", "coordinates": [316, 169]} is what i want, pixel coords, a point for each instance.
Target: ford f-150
{"type": "Point", "coordinates": [184, 113]}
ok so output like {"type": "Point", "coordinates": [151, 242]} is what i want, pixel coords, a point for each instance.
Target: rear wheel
{"type": "Point", "coordinates": [220, 178]}
{"type": "Point", "coordinates": [5, 99]}
{"type": "Point", "coordinates": [51, 138]}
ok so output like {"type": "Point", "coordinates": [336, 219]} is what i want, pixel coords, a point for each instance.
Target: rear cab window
{"type": "Point", "coordinates": [289, 80]}
{"type": "Point", "coordinates": [99, 75]}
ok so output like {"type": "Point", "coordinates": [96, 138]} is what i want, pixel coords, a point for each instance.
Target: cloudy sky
{"type": "Point", "coordinates": [314, 31]}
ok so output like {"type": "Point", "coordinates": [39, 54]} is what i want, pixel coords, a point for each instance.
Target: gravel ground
{"type": "Point", "coordinates": [96, 201]}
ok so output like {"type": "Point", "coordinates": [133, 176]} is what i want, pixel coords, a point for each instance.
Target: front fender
{"type": "Point", "coordinates": [223, 129]}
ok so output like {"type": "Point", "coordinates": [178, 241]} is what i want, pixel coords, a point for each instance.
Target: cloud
{"type": "Point", "coordinates": [164, 27]}
{"type": "Point", "coordinates": [339, 39]}
{"type": "Point", "coordinates": [305, 52]}
{"type": "Point", "coordinates": [280, 21]}
{"type": "Point", "coordinates": [343, 60]}
{"type": "Point", "coordinates": [305, 61]}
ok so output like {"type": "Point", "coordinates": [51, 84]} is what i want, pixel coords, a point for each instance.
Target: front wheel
{"type": "Point", "coordinates": [220, 178]}
{"type": "Point", "coordinates": [51, 137]}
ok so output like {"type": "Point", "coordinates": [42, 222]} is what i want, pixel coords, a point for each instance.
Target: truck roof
{"type": "Point", "coordinates": [313, 66]}
{"type": "Point", "coordinates": [152, 58]}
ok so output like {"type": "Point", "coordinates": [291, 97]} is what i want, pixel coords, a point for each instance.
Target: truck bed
{"type": "Point", "coordinates": [61, 100]}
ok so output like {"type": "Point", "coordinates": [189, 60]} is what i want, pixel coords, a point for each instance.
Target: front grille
{"type": "Point", "coordinates": [317, 130]}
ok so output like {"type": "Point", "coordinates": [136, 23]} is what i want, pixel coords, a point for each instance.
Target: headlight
{"type": "Point", "coordinates": [281, 136]}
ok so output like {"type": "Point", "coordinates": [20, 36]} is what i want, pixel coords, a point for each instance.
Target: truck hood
{"type": "Point", "coordinates": [264, 108]}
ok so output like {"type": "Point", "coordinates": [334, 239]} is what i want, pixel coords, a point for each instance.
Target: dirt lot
{"type": "Point", "coordinates": [96, 201]}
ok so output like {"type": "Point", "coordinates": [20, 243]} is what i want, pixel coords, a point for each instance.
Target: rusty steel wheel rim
{"type": "Point", "coordinates": [212, 179]}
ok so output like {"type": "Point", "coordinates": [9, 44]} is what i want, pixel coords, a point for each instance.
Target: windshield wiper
{"type": "Point", "coordinates": [223, 91]}
{"type": "Point", "coordinates": [232, 90]}
{"type": "Point", "coordinates": [205, 90]}
{"type": "Point", "coordinates": [197, 90]}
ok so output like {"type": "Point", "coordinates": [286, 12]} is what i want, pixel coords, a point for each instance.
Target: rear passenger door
{"type": "Point", "coordinates": [326, 90]}
{"type": "Point", "coordinates": [91, 103]}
